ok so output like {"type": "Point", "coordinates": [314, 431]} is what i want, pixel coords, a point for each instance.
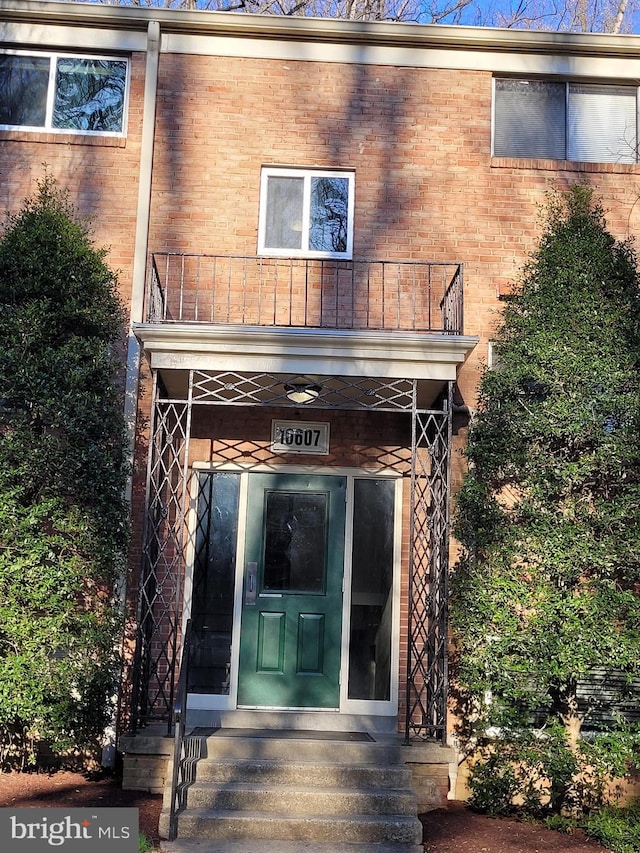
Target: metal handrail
{"type": "Point", "coordinates": [359, 294]}
{"type": "Point", "coordinates": [179, 722]}
{"type": "Point", "coordinates": [451, 305]}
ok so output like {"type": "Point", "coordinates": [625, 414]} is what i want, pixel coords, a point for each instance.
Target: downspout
{"type": "Point", "coordinates": [143, 214]}
{"type": "Point", "coordinates": [142, 237]}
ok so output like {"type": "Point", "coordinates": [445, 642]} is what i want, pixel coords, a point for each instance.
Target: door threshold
{"type": "Point", "coordinates": [285, 734]}
{"type": "Point", "coordinates": [300, 720]}
{"type": "Point", "coordinates": [286, 709]}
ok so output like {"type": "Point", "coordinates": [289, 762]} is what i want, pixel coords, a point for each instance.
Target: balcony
{"type": "Point", "coordinates": [358, 296]}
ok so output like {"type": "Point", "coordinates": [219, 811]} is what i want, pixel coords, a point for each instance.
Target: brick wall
{"type": "Point", "coordinates": [100, 172]}
{"type": "Point", "coordinates": [419, 141]}
{"type": "Point", "coordinates": [426, 185]}
{"type": "Point", "coordinates": [427, 188]}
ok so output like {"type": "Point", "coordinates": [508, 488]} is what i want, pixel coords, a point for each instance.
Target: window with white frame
{"type": "Point", "coordinates": [548, 119]}
{"type": "Point", "coordinates": [56, 92]}
{"type": "Point", "coordinates": [306, 212]}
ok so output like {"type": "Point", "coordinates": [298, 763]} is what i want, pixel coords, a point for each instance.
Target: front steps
{"type": "Point", "coordinates": [297, 791]}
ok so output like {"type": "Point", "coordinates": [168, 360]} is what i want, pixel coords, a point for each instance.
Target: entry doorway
{"type": "Point", "coordinates": [293, 591]}
{"type": "Point", "coordinates": [291, 626]}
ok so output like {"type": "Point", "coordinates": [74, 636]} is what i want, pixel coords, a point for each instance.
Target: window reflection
{"type": "Point", "coordinates": [89, 94]}
{"type": "Point", "coordinates": [295, 542]}
{"type": "Point", "coordinates": [371, 590]}
{"type": "Point", "coordinates": [213, 582]}
{"type": "Point", "coordinates": [329, 214]}
{"type": "Point", "coordinates": [24, 81]}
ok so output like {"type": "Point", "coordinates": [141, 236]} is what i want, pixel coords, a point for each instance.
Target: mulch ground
{"type": "Point", "coordinates": [455, 829]}
{"type": "Point", "coordinates": [63, 789]}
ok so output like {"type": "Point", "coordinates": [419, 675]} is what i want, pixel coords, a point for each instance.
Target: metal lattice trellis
{"type": "Point", "coordinates": [163, 559]}
{"type": "Point", "coordinates": [165, 530]}
{"type": "Point", "coordinates": [427, 683]}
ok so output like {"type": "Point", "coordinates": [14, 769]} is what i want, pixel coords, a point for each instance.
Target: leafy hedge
{"type": "Point", "coordinates": [548, 588]}
{"type": "Point", "coordinates": [618, 829]}
{"type": "Point", "coordinates": [63, 529]}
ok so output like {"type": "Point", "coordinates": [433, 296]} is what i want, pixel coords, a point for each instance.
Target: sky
{"type": "Point", "coordinates": [476, 13]}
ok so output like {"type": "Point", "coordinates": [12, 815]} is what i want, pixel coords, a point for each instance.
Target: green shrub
{"type": "Point", "coordinates": [545, 593]}
{"type": "Point", "coordinates": [144, 845]}
{"type": "Point", "coordinates": [63, 529]}
{"type": "Point", "coordinates": [560, 823]}
{"type": "Point", "coordinates": [536, 773]}
{"type": "Point", "coordinates": [618, 829]}
{"type": "Point", "coordinates": [524, 773]}
{"type": "Point", "coordinates": [494, 784]}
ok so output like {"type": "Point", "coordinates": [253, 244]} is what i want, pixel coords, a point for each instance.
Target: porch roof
{"type": "Point", "coordinates": [379, 354]}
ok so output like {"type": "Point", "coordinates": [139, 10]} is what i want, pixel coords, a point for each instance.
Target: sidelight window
{"type": "Point", "coordinates": [371, 623]}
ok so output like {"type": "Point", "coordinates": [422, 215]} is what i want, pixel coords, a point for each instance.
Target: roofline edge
{"type": "Point", "coordinates": [280, 27]}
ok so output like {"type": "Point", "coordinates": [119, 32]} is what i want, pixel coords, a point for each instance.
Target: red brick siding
{"type": "Point", "coordinates": [427, 188]}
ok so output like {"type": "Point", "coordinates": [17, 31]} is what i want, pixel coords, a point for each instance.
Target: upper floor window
{"type": "Point", "coordinates": [62, 93]}
{"type": "Point", "coordinates": [306, 212]}
{"type": "Point", "coordinates": [588, 122]}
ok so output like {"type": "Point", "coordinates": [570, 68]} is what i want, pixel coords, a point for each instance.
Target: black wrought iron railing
{"type": "Point", "coordinates": [412, 296]}
{"type": "Point", "coordinates": [179, 722]}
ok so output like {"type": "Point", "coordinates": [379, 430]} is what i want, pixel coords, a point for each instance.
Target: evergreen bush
{"type": "Point", "coordinates": [546, 593]}
{"type": "Point", "coordinates": [63, 529]}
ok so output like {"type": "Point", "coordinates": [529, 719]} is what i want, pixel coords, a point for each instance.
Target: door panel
{"type": "Point", "coordinates": [372, 607]}
{"type": "Point", "coordinates": [271, 637]}
{"type": "Point", "coordinates": [292, 606]}
{"type": "Point", "coordinates": [310, 657]}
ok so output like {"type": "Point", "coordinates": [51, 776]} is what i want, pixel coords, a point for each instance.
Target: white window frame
{"type": "Point", "coordinates": [306, 174]}
{"type": "Point", "coordinates": [569, 142]}
{"type": "Point", "coordinates": [48, 127]}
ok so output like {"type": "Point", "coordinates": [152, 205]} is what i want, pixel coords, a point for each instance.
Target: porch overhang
{"type": "Point", "coordinates": [392, 355]}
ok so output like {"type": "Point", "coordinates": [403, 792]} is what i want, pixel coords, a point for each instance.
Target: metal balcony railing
{"type": "Point", "coordinates": [412, 296]}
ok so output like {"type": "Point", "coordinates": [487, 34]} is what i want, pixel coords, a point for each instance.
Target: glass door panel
{"type": "Point", "coordinates": [214, 582]}
{"type": "Point", "coordinates": [371, 590]}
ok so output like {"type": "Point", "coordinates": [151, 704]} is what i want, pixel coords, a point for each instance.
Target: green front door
{"type": "Point", "coordinates": [290, 645]}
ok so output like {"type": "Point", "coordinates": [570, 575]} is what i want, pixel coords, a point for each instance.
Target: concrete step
{"type": "Point", "coordinates": [382, 753]}
{"type": "Point", "coordinates": [300, 789]}
{"type": "Point", "coordinates": [222, 846]}
{"type": "Point", "coordinates": [246, 825]}
{"type": "Point", "coordinates": [297, 800]}
{"type": "Point", "coordinates": [265, 773]}
{"type": "Point", "coordinates": [306, 721]}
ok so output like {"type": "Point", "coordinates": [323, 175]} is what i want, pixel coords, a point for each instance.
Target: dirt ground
{"type": "Point", "coordinates": [63, 789]}
{"type": "Point", "coordinates": [455, 829]}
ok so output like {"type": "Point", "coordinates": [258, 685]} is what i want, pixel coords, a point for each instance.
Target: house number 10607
{"type": "Point", "coordinates": [299, 437]}
{"type": "Point", "coordinates": [296, 437]}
